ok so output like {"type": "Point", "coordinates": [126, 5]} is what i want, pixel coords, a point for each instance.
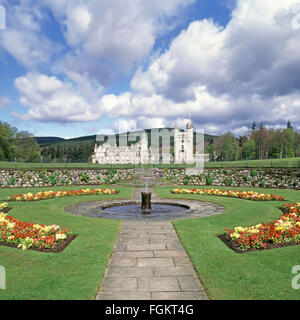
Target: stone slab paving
{"type": "Point", "coordinates": [149, 263]}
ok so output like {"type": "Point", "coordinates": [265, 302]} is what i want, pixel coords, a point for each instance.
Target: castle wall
{"type": "Point", "coordinates": [141, 153]}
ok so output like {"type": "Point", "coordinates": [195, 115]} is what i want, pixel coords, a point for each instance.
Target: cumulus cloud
{"type": "Point", "coordinates": [49, 99]}
{"type": "Point", "coordinates": [107, 35]}
{"type": "Point", "coordinates": [123, 125]}
{"type": "Point", "coordinates": [227, 77]}
{"type": "Point", "coordinates": [4, 102]}
{"type": "Point", "coordinates": [23, 38]}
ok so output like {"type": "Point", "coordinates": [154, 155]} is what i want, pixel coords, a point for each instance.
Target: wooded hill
{"type": "Point", "coordinates": [47, 141]}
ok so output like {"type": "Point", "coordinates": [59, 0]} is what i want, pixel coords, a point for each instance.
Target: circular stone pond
{"type": "Point", "coordinates": [165, 209]}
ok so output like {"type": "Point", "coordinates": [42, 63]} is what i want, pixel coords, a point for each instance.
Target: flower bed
{"type": "Point", "coordinates": [43, 195]}
{"type": "Point", "coordinates": [3, 206]}
{"type": "Point", "coordinates": [246, 195]}
{"type": "Point", "coordinates": [281, 232]}
{"type": "Point", "coordinates": [25, 235]}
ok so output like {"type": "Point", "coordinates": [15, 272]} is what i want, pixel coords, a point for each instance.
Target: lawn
{"type": "Point", "coordinates": [226, 274]}
{"type": "Point", "coordinates": [268, 163]}
{"type": "Point", "coordinates": [32, 166]}
{"type": "Point", "coordinates": [75, 273]}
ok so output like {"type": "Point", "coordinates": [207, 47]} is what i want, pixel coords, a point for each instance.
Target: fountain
{"type": "Point", "coordinates": [142, 207]}
{"type": "Point", "coordinates": [146, 200]}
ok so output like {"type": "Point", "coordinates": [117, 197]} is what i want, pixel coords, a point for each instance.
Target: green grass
{"type": "Point", "coordinates": [75, 273]}
{"type": "Point", "coordinates": [274, 163]}
{"type": "Point", "coordinates": [226, 274]}
{"type": "Point", "coordinates": [28, 165]}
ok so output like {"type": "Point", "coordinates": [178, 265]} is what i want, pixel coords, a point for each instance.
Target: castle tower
{"type": "Point", "coordinates": [178, 145]}
{"type": "Point", "coordinates": [144, 152]}
{"type": "Point", "coordinates": [189, 144]}
{"type": "Point", "coordinates": [184, 144]}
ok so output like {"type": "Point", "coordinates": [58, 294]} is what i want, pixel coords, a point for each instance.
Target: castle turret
{"type": "Point", "coordinates": [144, 153]}
{"type": "Point", "coordinates": [178, 145]}
{"type": "Point", "coordinates": [189, 144]}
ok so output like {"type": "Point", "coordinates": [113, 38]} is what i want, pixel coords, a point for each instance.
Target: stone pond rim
{"type": "Point", "coordinates": [182, 209]}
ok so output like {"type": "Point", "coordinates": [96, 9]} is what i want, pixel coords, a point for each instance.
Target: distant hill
{"type": "Point", "coordinates": [56, 141]}
{"type": "Point", "coordinates": [48, 140]}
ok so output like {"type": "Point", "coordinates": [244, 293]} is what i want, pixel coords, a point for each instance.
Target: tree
{"type": "Point", "coordinates": [248, 150]}
{"type": "Point", "coordinates": [262, 141]}
{"type": "Point", "coordinates": [289, 125]}
{"type": "Point", "coordinates": [27, 149]}
{"type": "Point", "coordinates": [254, 127]}
{"type": "Point", "coordinates": [226, 147]}
{"type": "Point", "coordinates": [7, 141]}
{"type": "Point", "coordinates": [211, 151]}
{"type": "Point", "coordinates": [289, 143]}
{"type": "Point", "coordinates": [297, 144]}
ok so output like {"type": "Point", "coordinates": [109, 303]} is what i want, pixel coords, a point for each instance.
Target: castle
{"type": "Point", "coordinates": [140, 152]}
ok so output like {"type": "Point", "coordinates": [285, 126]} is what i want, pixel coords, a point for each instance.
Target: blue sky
{"type": "Point", "coordinates": [73, 68]}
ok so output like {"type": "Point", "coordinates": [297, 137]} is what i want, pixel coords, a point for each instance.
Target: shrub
{"type": "Point", "coordinates": [254, 173]}
{"type": "Point", "coordinates": [84, 177]}
{"type": "Point", "coordinates": [228, 182]}
{"type": "Point", "coordinates": [12, 181]}
{"type": "Point", "coordinates": [53, 181]}
{"type": "Point", "coordinates": [187, 180]}
{"type": "Point", "coordinates": [262, 184]}
{"type": "Point", "coordinates": [208, 180]}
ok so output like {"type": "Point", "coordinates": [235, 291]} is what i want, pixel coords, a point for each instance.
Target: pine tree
{"type": "Point", "coordinates": [289, 125]}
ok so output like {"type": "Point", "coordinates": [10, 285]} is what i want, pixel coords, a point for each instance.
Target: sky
{"type": "Point", "coordinates": [71, 68]}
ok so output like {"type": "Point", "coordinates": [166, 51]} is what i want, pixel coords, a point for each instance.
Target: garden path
{"type": "Point", "coordinates": [149, 263]}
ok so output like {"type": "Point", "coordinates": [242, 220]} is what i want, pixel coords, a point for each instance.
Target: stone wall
{"type": "Point", "coordinates": [263, 178]}
{"type": "Point", "coordinates": [58, 177]}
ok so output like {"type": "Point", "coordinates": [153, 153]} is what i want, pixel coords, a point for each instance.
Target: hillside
{"type": "Point", "coordinates": [42, 141]}
{"type": "Point", "coordinates": [56, 141]}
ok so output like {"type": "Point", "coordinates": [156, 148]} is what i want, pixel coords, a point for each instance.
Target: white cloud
{"type": "Point", "coordinates": [23, 38]}
{"type": "Point", "coordinates": [48, 99]}
{"type": "Point", "coordinates": [149, 123]}
{"type": "Point", "coordinates": [108, 35]}
{"type": "Point", "coordinates": [107, 131]}
{"type": "Point", "coordinates": [226, 77]}
{"type": "Point", "coordinates": [123, 125]}
{"type": "Point", "coordinates": [4, 102]}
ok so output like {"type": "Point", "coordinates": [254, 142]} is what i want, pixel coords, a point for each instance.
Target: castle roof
{"type": "Point", "coordinates": [189, 125]}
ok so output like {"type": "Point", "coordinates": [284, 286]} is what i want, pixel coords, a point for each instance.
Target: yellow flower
{"type": "Point", "coordinates": [2, 217]}
{"type": "Point", "coordinates": [234, 235]}
{"type": "Point", "coordinates": [60, 236]}
{"type": "Point", "coordinates": [239, 229]}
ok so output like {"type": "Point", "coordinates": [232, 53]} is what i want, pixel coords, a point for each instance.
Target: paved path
{"type": "Point", "coordinates": [149, 263]}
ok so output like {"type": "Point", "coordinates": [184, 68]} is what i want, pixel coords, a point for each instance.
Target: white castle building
{"type": "Point", "coordinates": [140, 152]}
